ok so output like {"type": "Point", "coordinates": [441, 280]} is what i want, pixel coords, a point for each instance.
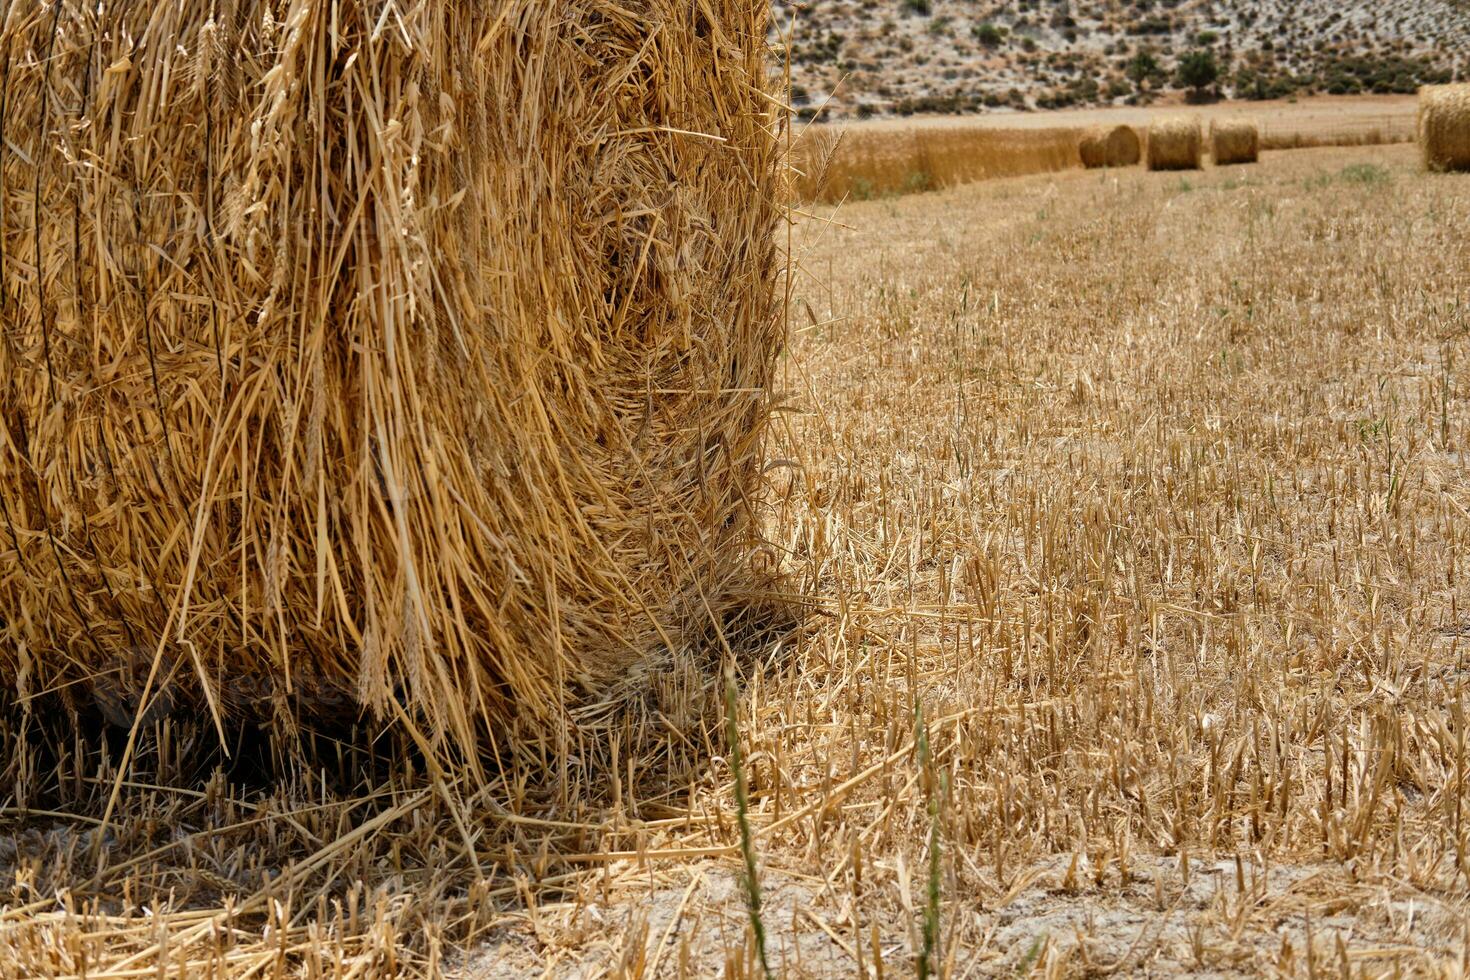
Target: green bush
{"type": "Point", "coordinates": [989, 34]}
{"type": "Point", "coordinates": [1198, 70]}
{"type": "Point", "coordinates": [1143, 67]}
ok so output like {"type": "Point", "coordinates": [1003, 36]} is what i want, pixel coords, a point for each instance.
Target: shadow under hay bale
{"type": "Point", "coordinates": [1109, 146]}
{"type": "Point", "coordinates": [669, 711]}
{"type": "Point", "coordinates": [1175, 143]}
{"type": "Point", "coordinates": [349, 819]}
{"type": "Point", "coordinates": [1444, 126]}
{"type": "Point", "coordinates": [1234, 141]}
{"type": "Point", "coordinates": [417, 375]}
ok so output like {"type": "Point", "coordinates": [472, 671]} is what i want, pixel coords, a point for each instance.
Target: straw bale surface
{"type": "Point", "coordinates": [372, 356]}
{"type": "Point", "coordinates": [1109, 146]}
{"type": "Point", "coordinates": [1235, 141]}
{"type": "Point", "coordinates": [1175, 143]}
{"type": "Point", "coordinates": [1444, 126]}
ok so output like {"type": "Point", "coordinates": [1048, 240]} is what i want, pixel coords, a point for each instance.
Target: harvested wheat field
{"type": "Point", "coordinates": [1144, 496]}
{"type": "Point", "coordinates": [1123, 514]}
{"type": "Point", "coordinates": [889, 157]}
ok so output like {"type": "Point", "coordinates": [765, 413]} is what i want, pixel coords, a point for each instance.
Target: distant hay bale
{"type": "Point", "coordinates": [1093, 150]}
{"type": "Point", "coordinates": [1235, 141]}
{"type": "Point", "coordinates": [403, 360]}
{"type": "Point", "coordinates": [1444, 126]}
{"type": "Point", "coordinates": [1109, 146]}
{"type": "Point", "coordinates": [1175, 143]}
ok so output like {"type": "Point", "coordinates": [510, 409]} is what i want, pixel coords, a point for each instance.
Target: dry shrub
{"type": "Point", "coordinates": [411, 359]}
{"type": "Point", "coordinates": [1110, 146]}
{"type": "Point", "coordinates": [1175, 143]}
{"type": "Point", "coordinates": [877, 161]}
{"type": "Point", "coordinates": [1444, 126]}
{"type": "Point", "coordinates": [1235, 141]}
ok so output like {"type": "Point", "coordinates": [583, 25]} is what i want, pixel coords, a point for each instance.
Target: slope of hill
{"type": "Point", "coordinates": [867, 57]}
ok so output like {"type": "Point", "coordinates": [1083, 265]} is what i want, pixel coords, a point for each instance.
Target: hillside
{"type": "Point", "coordinates": [879, 57]}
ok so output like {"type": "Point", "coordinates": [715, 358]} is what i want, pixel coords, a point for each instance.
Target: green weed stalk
{"type": "Point", "coordinates": [751, 877]}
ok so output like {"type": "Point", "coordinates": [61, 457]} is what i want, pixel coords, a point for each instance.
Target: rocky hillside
{"type": "Point", "coordinates": [878, 57]}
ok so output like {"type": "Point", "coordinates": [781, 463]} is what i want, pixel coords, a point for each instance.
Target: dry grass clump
{"type": "Point", "coordinates": [1109, 146]}
{"type": "Point", "coordinates": [403, 357]}
{"type": "Point", "coordinates": [1235, 141]}
{"type": "Point", "coordinates": [1444, 126]}
{"type": "Point", "coordinates": [1175, 143]}
{"type": "Point", "coordinates": [901, 158]}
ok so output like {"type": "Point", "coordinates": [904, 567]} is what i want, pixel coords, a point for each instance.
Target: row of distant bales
{"type": "Point", "coordinates": [1175, 143]}
{"type": "Point", "coordinates": [1178, 142]}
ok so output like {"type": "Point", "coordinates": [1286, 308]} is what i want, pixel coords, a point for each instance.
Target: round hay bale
{"type": "Point", "coordinates": [1235, 141]}
{"type": "Point", "coordinates": [1093, 149]}
{"type": "Point", "coordinates": [417, 370]}
{"type": "Point", "coordinates": [1110, 146]}
{"type": "Point", "coordinates": [1175, 143]}
{"type": "Point", "coordinates": [1444, 126]}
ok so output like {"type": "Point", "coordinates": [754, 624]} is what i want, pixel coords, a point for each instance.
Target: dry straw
{"type": "Point", "coordinates": [1110, 146]}
{"type": "Point", "coordinates": [1174, 143]}
{"type": "Point", "coordinates": [1444, 126]}
{"type": "Point", "coordinates": [410, 358]}
{"type": "Point", "coordinates": [1235, 141]}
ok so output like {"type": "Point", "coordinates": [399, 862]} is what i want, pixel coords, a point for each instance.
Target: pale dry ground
{"type": "Point", "coordinates": [1150, 493]}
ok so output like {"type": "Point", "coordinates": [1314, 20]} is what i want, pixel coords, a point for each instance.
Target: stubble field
{"type": "Point", "coordinates": [1146, 495]}
{"type": "Point", "coordinates": [1126, 513]}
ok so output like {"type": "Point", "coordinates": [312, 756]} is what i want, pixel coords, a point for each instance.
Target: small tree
{"type": "Point", "coordinates": [1198, 70]}
{"type": "Point", "coordinates": [1142, 67]}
